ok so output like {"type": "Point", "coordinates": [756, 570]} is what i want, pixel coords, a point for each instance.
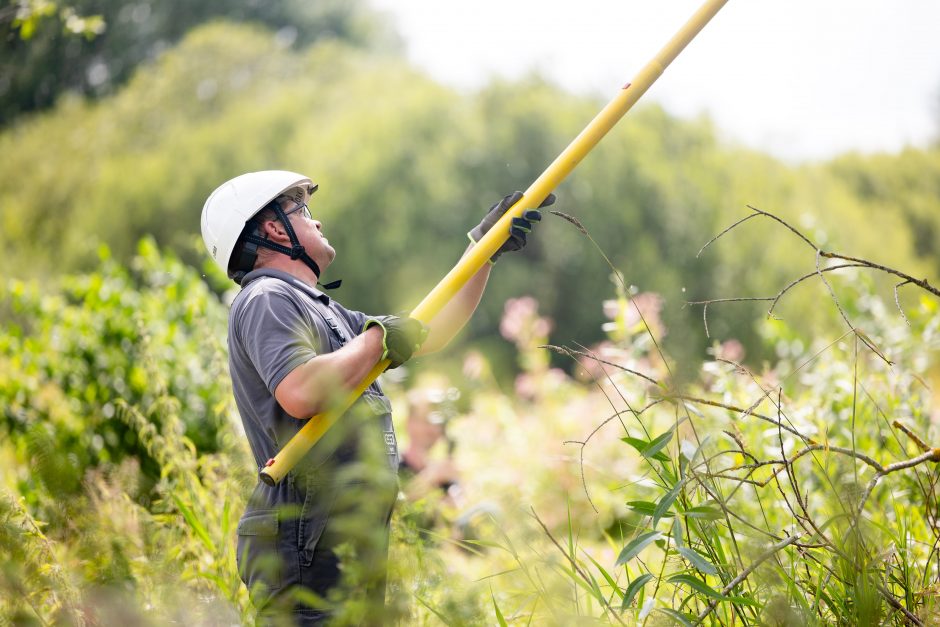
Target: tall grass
{"type": "Point", "coordinates": [797, 491]}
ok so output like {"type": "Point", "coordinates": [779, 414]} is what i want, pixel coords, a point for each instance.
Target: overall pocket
{"type": "Point", "coordinates": [318, 502]}
{"type": "Point", "coordinates": [259, 563]}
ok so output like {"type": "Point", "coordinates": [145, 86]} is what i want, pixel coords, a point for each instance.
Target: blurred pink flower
{"type": "Point", "coordinates": [521, 322]}
{"type": "Point", "coordinates": [591, 369]}
{"type": "Point", "coordinates": [627, 316]}
{"type": "Point", "coordinates": [530, 386]}
{"type": "Point", "coordinates": [474, 365]}
{"type": "Point", "coordinates": [650, 304]}
{"type": "Point", "coordinates": [730, 350]}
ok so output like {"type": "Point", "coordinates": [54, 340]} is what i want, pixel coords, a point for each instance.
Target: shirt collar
{"type": "Point", "coordinates": [287, 278]}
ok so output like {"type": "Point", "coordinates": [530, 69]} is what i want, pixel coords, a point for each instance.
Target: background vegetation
{"type": "Point", "coordinates": [123, 467]}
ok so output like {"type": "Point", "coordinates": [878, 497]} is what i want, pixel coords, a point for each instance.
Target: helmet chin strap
{"type": "Point", "coordinates": [296, 251]}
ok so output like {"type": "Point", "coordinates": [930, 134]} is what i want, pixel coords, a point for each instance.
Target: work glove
{"type": "Point", "coordinates": [401, 337]}
{"type": "Point", "coordinates": [517, 230]}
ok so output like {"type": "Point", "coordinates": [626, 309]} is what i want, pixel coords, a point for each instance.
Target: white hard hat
{"type": "Point", "coordinates": [236, 201]}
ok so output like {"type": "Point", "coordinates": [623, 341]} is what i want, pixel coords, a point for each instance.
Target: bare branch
{"type": "Point", "coordinates": [770, 312]}
{"type": "Point", "coordinates": [714, 239]}
{"type": "Point", "coordinates": [923, 284]}
{"type": "Point", "coordinates": [786, 224]}
{"type": "Point", "coordinates": [832, 293]}
{"type": "Point", "coordinates": [570, 352]}
{"type": "Point", "coordinates": [897, 301]}
{"type": "Point", "coordinates": [744, 413]}
{"type": "Point", "coordinates": [897, 424]}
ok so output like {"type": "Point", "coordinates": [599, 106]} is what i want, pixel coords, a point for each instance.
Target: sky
{"type": "Point", "coordinates": [801, 79]}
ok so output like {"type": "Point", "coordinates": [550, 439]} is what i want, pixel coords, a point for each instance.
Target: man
{"type": "Point", "coordinates": [317, 541]}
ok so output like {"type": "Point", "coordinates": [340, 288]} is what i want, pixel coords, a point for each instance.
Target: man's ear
{"type": "Point", "coordinates": [274, 230]}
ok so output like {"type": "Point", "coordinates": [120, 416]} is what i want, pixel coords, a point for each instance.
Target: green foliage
{"type": "Point", "coordinates": [32, 582]}
{"type": "Point", "coordinates": [29, 15]}
{"type": "Point", "coordinates": [877, 181]}
{"type": "Point", "coordinates": [592, 493]}
{"type": "Point", "coordinates": [92, 47]}
{"type": "Point", "coordinates": [406, 167]}
{"type": "Point", "coordinates": [131, 335]}
{"type": "Point", "coordinates": [116, 434]}
{"type": "Point", "coordinates": [657, 518]}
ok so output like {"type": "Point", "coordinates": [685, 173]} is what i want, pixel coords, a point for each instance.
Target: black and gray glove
{"type": "Point", "coordinates": [401, 337]}
{"type": "Point", "coordinates": [518, 228]}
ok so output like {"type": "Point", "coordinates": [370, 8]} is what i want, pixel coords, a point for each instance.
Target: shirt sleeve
{"type": "Point", "coordinates": [277, 336]}
{"type": "Point", "coordinates": [356, 320]}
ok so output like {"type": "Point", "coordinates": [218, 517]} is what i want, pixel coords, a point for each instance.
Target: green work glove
{"type": "Point", "coordinates": [401, 337]}
{"type": "Point", "coordinates": [518, 228]}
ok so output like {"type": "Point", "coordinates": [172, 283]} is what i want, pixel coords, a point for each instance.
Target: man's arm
{"type": "Point", "coordinates": [455, 314]}
{"type": "Point", "coordinates": [309, 388]}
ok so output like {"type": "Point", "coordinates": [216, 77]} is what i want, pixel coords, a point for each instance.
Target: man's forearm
{"type": "Point", "coordinates": [310, 388]}
{"type": "Point", "coordinates": [455, 314]}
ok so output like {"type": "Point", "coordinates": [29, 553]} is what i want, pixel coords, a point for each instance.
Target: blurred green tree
{"type": "Point", "coordinates": [407, 166]}
{"type": "Point", "coordinates": [41, 58]}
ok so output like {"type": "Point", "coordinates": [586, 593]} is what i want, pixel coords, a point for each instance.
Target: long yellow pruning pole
{"type": "Point", "coordinates": [470, 264]}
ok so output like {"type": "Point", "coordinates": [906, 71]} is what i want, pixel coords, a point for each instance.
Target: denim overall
{"type": "Point", "coordinates": [340, 495]}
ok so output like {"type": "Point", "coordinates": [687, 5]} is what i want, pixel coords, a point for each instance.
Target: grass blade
{"type": "Point", "coordinates": [499, 614]}
{"type": "Point", "coordinates": [194, 523]}
{"type": "Point", "coordinates": [441, 616]}
{"type": "Point", "coordinates": [610, 580]}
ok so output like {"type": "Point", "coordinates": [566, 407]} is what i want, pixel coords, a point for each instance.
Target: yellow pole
{"type": "Point", "coordinates": [471, 263]}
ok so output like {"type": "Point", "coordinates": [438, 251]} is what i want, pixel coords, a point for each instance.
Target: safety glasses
{"type": "Point", "coordinates": [304, 208]}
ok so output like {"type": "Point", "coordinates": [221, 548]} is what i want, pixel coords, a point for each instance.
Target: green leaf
{"type": "Point", "coordinates": [679, 617]}
{"type": "Point", "coordinates": [194, 523]}
{"type": "Point", "coordinates": [692, 409]}
{"type": "Point", "coordinates": [610, 580]}
{"type": "Point", "coordinates": [499, 614]}
{"type": "Point", "coordinates": [436, 612]}
{"type": "Point", "coordinates": [677, 533]}
{"type": "Point", "coordinates": [646, 508]}
{"type": "Point", "coordinates": [697, 560]}
{"type": "Point", "coordinates": [703, 512]}
{"type": "Point", "coordinates": [666, 502]}
{"type": "Point", "coordinates": [698, 585]}
{"type": "Point", "coordinates": [633, 589]}
{"type": "Point", "coordinates": [658, 444]}
{"type": "Point", "coordinates": [638, 544]}
{"type": "Point", "coordinates": [642, 445]}
{"type": "Point", "coordinates": [686, 462]}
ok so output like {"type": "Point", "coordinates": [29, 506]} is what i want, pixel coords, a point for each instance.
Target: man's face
{"type": "Point", "coordinates": [310, 234]}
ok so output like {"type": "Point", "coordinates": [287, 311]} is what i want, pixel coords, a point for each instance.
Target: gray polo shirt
{"type": "Point", "coordinates": [277, 323]}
